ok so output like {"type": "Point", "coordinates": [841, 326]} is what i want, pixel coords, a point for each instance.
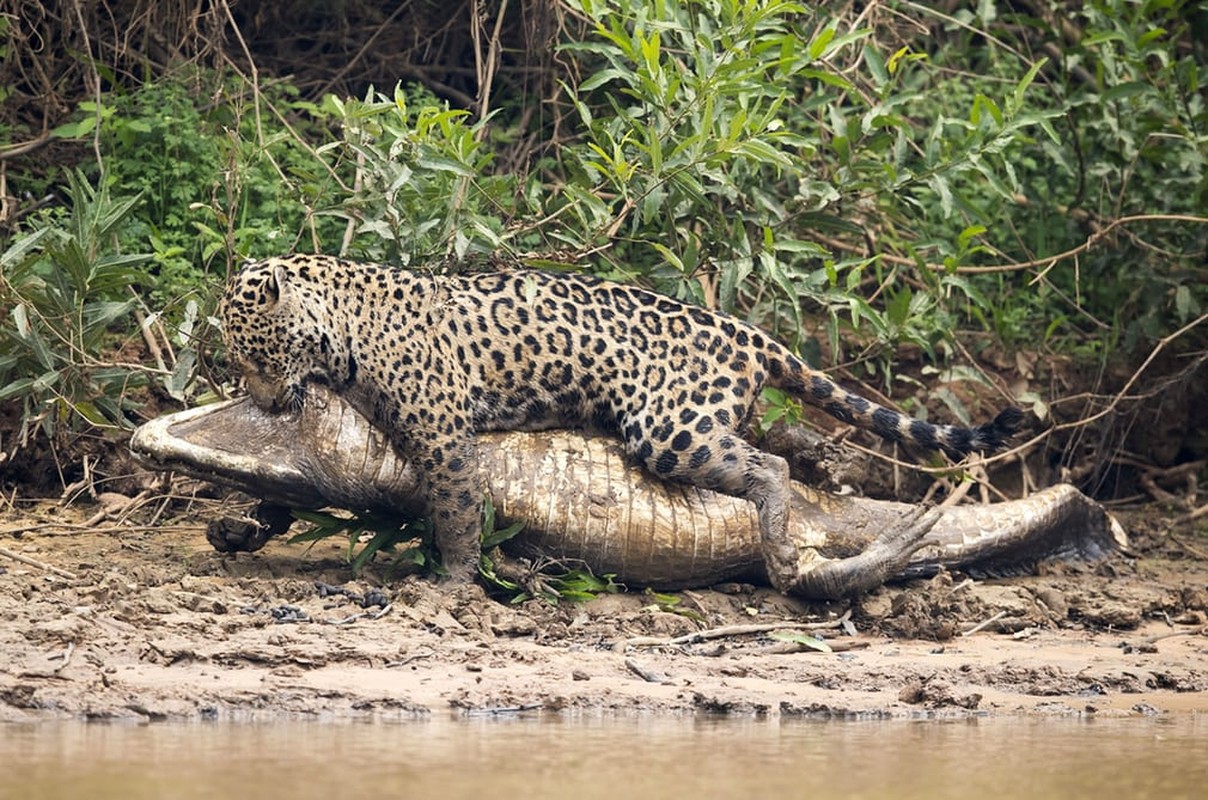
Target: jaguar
{"type": "Point", "coordinates": [433, 359]}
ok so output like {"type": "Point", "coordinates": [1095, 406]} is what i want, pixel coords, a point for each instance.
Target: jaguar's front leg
{"type": "Point", "coordinates": [453, 492]}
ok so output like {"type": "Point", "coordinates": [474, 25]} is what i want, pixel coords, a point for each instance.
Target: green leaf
{"type": "Point", "coordinates": [898, 307]}
{"type": "Point", "coordinates": [604, 76]}
{"type": "Point", "coordinates": [993, 179]}
{"type": "Point", "coordinates": [954, 404]}
{"type": "Point", "coordinates": [819, 44]}
{"type": "Point", "coordinates": [28, 333]}
{"type": "Point", "coordinates": [892, 66]}
{"type": "Point", "coordinates": [828, 78]}
{"type": "Point", "coordinates": [798, 246]}
{"type": "Point", "coordinates": [443, 164]}
{"type": "Point", "coordinates": [850, 37]}
{"type": "Point", "coordinates": [182, 374]}
{"type": "Point", "coordinates": [1150, 35]}
{"type": "Point", "coordinates": [75, 130]}
{"type": "Point", "coordinates": [650, 52]}
{"type": "Point", "coordinates": [970, 233]}
{"type": "Point", "coordinates": [95, 415]}
{"type": "Point", "coordinates": [380, 541]}
{"type": "Point", "coordinates": [1182, 302]}
{"type": "Point", "coordinates": [17, 387]}
{"type": "Point", "coordinates": [981, 101]}
{"type": "Point", "coordinates": [492, 538]}
{"type": "Point", "coordinates": [46, 380]}
{"type": "Point", "coordinates": [98, 315]}
{"type": "Point", "coordinates": [1123, 91]}
{"type": "Point", "coordinates": [961, 372]}
{"type": "Point", "coordinates": [939, 184]}
{"type": "Point", "coordinates": [763, 152]}
{"type": "Point", "coordinates": [323, 525]}
{"type": "Point", "coordinates": [667, 253]}
{"type": "Point", "coordinates": [876, 66]}
{"type": "Point", "coordinates": [500, 536]}
{"type": "Point", "coordinates": [22, 246]}
{"type": "Point", "coordinates": [1038, 406]}
{"type": "Point", "coordinates": [1022, 87]}
{"type": "Point", "coordinates": [1049, 131]}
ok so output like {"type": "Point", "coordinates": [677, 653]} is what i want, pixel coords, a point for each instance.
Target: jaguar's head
{"type": "Point", "coordinates": [276, 324]}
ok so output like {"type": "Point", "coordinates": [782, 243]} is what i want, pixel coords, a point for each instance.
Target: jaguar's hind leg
{"type": "Point", "coordinates": [721, 461]}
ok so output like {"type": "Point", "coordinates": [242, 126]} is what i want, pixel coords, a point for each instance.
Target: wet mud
{"type": "Point", "coordinates": [148, 622]}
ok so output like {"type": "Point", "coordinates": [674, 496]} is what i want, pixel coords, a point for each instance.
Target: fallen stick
{"type": "Point", "coordinates": [727, 631]}
{"type": "Point", "coordinates": [4, 551]}
{"type": "Point", "coordinates": [984, 624]}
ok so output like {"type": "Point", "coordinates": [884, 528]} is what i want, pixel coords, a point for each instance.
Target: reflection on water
{"type": "Point", "coordinates": [582, 759]}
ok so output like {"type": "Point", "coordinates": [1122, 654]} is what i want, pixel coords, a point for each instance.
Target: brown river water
{"type": "Point", "coordinates": [609, 757]}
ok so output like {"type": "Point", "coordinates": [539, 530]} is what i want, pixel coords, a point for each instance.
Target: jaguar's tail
{"type": "Point", "coordinates": [956, 441]}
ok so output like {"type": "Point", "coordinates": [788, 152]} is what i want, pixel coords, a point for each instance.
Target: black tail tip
{"type": "Point", "coordinates": [995, 435]}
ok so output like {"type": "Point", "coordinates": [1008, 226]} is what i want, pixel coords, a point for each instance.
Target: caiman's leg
{"type": "Point", "coordinates": [249, 534]}
{"type": "Point", "coordinates": [827, 579]}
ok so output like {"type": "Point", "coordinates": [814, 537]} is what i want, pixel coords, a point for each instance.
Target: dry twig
{"type": "Point", "coordinates": [727, 631]}
{"type": "Point", "coordinates": [985, 623]}
{"type": "Point", "coordinates": [62, 573]}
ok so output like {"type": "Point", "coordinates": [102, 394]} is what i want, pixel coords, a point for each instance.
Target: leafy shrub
{"type": "Point", "coordinates": [66, 289]}
{"type": "Point", "coordinates": [216, 180]}
{"type": "Point", "coordinates": [424, 188]}
{"type": "Point", "coordinates": [1125, 114]}
{"type": "Point", "coordinates": [746, 155]}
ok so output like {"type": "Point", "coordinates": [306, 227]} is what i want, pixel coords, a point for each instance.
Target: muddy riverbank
{"type": "Point", "coordinates": [136, 621]}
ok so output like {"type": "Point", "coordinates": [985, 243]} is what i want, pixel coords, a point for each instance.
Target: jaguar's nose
{"type": "Point", "coordinates": [266, 394]}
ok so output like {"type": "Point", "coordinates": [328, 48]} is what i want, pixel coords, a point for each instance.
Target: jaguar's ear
{"type": "Point", "coordinates": [275, 284]}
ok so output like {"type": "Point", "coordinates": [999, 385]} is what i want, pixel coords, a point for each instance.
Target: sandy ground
{"type": "Point", "coordinates": [118, 621]}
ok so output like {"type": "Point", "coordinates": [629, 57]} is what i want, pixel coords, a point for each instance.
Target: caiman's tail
{"type": "Point", "coordinates": [817, 389]}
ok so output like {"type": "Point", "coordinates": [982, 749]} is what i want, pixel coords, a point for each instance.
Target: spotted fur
{"type": "Point", "coordinates": [432, 360]}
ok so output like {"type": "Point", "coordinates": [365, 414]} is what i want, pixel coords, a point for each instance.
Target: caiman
{"type": "Point", "coordinates": [581, 501]}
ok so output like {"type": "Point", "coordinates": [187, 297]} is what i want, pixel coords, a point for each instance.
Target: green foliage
{"type": "Point", "coordinates": [1142, 129]}
{"type": "Point", "coordinates": [733, 142]}
{"type": "Point", "coordinates": [409, 545]}
{"type": "Point", "coordinates": [551, 582]}
{"type": "Point", "coordinates": [784, 161]}
{"type": "Point", "coordinates": [802, 640]}
{"type": "Point", "coordinates": [216, 181]}
{"type": "Point", "coordinates": [409, 542]}
{"type": "Point", "coordinates": [273, 193]}
{"type": "Point", "coordinates": [780, 407]}
{"type": "Point", "coordinates": [1130, 140]}
{"type": "Point", "coordinates": [425, 190]}
{"type": "Point", "coordinates": [67, 291]}
{"type": "Point", "coordinates": [670, 604]}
